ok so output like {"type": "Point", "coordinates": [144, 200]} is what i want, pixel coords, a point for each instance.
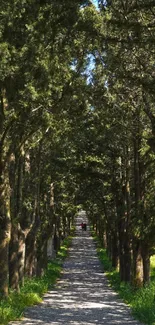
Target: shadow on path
{"type": "Point", "coordinates": [82, 296]}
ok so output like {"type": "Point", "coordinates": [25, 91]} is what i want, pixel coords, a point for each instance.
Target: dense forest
{"type": "Point", "coordinates": [77, 127]}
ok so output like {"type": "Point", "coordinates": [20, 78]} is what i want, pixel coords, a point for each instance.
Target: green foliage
{"type": "Point", "coordinates": [143, 304]}
{"type": "Point", "coordinates": [33, 289]}
{"type": "Point", "coordinates": [141, 301]}
{"type": "Point", "coordinates": [63, 252]}
{"type": "Point", "coordinates": [68, 69]}
{"type": "Point", "coordinates": [152, 261]}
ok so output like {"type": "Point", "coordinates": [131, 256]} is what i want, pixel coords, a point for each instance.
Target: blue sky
{"type": "Point", "coordinates": [95, 2]}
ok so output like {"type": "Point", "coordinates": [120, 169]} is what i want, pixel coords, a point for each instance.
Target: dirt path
{"type": "Point", "coordinates": [82, 296]}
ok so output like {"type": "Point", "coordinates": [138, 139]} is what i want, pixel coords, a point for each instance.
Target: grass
{"type": "Point", "coordinates": [32, 292]}
{"type": "Point", "coordinates": [141, 301]}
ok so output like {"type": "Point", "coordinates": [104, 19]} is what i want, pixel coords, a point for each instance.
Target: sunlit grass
{"type": "Point", "coordinates": [152, 267]}
{"type": "Point", "coordinates": [63, 252]}
{"type": "Point", "coordinates": [34, 289]}
{"type": "Point", "coordinates": [141, 301]}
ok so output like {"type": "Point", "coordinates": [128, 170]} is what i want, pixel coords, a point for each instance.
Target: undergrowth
{"type": "Point", "coordinates": [33, 290]}
{"type": "Point", "coordinates": [142, 300]}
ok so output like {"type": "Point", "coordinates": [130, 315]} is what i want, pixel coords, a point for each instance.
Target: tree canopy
{"type": "Point", "coordinates": [77, 127]}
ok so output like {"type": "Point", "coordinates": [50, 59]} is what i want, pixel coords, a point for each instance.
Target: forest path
{"type": "Point", "coordinates": [82, 295]}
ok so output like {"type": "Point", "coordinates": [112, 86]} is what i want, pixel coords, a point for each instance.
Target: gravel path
{"type": "Point", "coordinates": [82, 296]}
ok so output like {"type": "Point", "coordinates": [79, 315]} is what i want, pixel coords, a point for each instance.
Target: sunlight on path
{"type": "Point", "coordinates": [82, 296]}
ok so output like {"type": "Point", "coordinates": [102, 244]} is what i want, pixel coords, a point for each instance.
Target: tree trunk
{"type": "Point", "coordinates": [21, 254]}
{"type": "Point", "coordinates": [146, 264]}
{"type": "Point", "coordinates": [115, 253]}
{"type": "Point", "coordinates": [139, 202]}
{"type": "Point", "coordinates": [30, 254]}
{"type": "Point", "coordinates": [127, 259]}
{"type": "Point", "coordinates": [105, 240]}
{"type": "Point", "coordinates": [109, 241]}
{"type": "Point", "coordinates": [5, 228]}
{"type": "Point", "coordinates": [101, 231]}
{"type": "Point", "coordinates": [137, 266]}
{"type": "Point", "coordinates": [64, 226]}
{"type": "Point", "coordinates": [121, 256]}
{"type": "Point", "coordinates": [42, 257]}
{"type": "Point", "coordinates": [121, 192]}
{"type": "Point", "coordinates": [16, 181]}
{"type": "Point", "coordinates": [68, 224]}
{"type": "Point", "coordinates": [13, 259]}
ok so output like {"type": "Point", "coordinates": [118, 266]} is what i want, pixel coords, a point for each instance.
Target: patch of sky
{"type": "Point", "coordinates": [95, 3]}
{"type": "Point", "coordinates": [99, 3]}
{"type": "Point", "coordinates": [88, 71]}
{"type": "Point", "coordinates": [89, 68]}
{"type": "Point", "coordinates": [74, 65]}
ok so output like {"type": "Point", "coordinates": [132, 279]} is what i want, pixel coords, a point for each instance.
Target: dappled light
{"type": "Point", "coordinates": [82, 295]}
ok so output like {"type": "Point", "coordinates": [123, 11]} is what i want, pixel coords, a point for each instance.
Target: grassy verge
{"type": "Point", "coordinates": [34, 289]}
{"type": "Point", "coordinates": [141, 301]}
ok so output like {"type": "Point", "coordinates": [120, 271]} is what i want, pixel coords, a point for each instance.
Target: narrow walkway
{"type": "Point", "coordinates": [82, 296]}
